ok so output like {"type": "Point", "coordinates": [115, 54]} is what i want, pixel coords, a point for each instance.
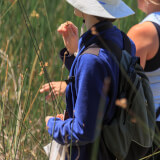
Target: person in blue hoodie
{"type": "Point", "coordinates": [87, 75]}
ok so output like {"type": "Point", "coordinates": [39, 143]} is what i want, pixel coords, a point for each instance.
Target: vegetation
{"type": "Point", "coordinates": [22, 56]}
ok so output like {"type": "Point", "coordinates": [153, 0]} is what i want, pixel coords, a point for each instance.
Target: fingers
{"type": "Point", "coordinates": [46, 87]}
{"type": "Point", "coordinates": [51, 96]}
{"type": "Point", "coordinates": [70, 25]}
{"type": "Point", "coordinates": [58, 88]}
{"type": "Point", "coordinates": [67, 27]}
{"type": "Point", "coordinates": [70, 32]}
{"type": "Point", "coordinates": [48, 97]}
{"type": "Point", "coordinates": [62, 29]}
{"type": "Point", "coordinates": [61, 116]}
{"type": "Point", "coordinates": [74, 28]}
{"type": "Point", "coordinates": [47, 119]}
{"type": "Point", "coordinates": [70, 37]}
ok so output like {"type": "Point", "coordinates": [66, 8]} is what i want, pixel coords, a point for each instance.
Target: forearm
{"type": "Point", "coordinates": [68, 131]}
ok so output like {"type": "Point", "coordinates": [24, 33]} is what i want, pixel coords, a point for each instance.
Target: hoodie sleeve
{"type": "Point", "coordinates": [64, 55]}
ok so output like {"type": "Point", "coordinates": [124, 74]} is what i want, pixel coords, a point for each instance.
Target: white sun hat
{"type": "Point", "coordinates": [111, 9]}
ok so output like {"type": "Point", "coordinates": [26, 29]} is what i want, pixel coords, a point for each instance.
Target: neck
{"type": "Point", "coordinates": [152, 10]}
{"type": "Point", "coordinates": [90, 21]}
{"type": "Point", "coordinates": [153, 6]}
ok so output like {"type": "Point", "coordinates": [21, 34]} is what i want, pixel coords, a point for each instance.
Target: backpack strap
{"type": "Point", "coordinates": [110, 46]}
{"type": "Point", "coordinates": [92, 49]}
{"type": "Point", "coordinates": [115, 49]}
{"type": "Point", "coordinates": [126, 42]}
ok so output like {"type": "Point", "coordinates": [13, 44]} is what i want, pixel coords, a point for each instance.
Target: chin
{"type": "Point", "coordinates": [77, 12]}
{"type": "Point", "coordinates": [142, 5]}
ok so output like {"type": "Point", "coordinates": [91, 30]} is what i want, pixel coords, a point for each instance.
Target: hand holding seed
{"type": "Point", "coordinates": [61, 116]}
{"type": "Point", "coordinates": [69, 33]}
{"type": "Point", "coordinates": [58, 88]}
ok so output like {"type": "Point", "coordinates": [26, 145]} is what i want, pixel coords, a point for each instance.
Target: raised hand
{"type": "Point", "coordinates": [69, 33]}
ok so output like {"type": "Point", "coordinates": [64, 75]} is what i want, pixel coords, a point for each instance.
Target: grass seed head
{"type": "Point", "coordinates": [34, 14]}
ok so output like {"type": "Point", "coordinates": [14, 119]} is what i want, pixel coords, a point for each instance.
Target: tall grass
{"type": "Point", "coordinates": [22, 108]}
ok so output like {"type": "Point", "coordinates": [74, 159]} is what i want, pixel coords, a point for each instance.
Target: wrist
{"type": "Point", "coordinates": [72, 53]}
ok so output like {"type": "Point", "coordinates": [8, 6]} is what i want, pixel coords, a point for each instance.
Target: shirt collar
{"type": "Point", "coordinates": [88, 38]}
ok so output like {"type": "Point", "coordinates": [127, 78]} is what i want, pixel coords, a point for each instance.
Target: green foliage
{"type": "Point", "coordinates": [22, 109]}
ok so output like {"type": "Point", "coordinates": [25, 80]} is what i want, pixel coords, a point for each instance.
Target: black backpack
{"type": "Point", "coordinates": [134, 125]}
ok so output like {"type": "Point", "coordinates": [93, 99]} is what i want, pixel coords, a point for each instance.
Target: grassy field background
{"type": "Point", "coordinates": [22, 108]}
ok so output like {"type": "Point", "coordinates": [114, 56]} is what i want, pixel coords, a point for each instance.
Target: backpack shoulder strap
{"type": "Point", "coordinates": [111, 47]}
{"type": "Point", "coordinates": [116, 50]}
{"type": "Point", "coordinates": [126, 42]}
{"type": "Point", "coordinates": [92, 49]}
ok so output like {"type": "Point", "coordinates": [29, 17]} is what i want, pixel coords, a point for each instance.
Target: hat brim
{"type": "Point", "coordinates": [96, 8]}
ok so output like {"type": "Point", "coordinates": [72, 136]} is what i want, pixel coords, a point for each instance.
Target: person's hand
{"type": "Point", "coordinates": [46, 120]}
{"type": "Point", "coordinates": [61, 116]}
{"type": "Point", "coordinates": [58, 88]}
{"type": "Point", "coordinates": [69, 33]}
